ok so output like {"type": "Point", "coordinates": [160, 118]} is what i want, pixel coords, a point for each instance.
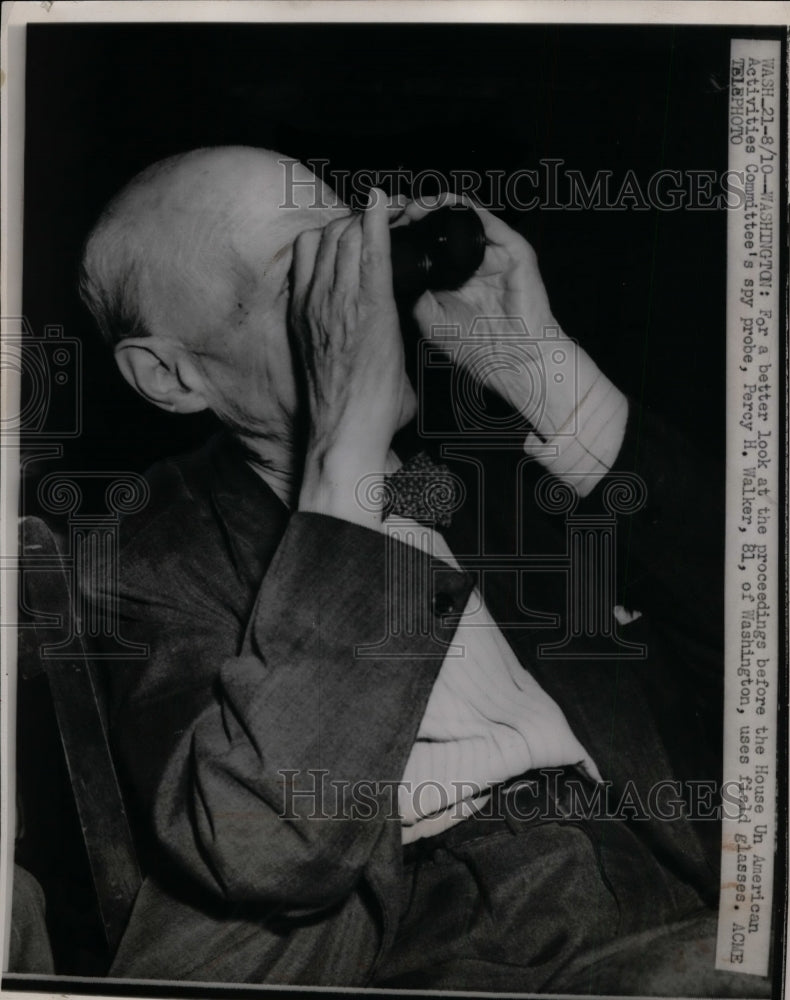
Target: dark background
{"type": "Point", "coordinates": [643, 291]}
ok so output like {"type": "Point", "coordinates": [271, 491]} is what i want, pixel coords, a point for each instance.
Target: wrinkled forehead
{"type": "Point", "coordinates": [258, 252]}
{"type": "Point", "coordinates": [260, 214]}
{"type": "Point", "coordinates": [240, 197]}
{"type": "Point", "coordinates": [272, 222]}
{"type": "Point", "coordinates": [229, 238]}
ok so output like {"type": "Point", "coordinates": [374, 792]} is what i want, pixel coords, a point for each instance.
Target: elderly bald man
{"type": "Point", "coordinates": [263, 586]}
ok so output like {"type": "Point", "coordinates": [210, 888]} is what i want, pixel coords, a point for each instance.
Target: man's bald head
{"type": "Point", "coordinates": [187, 275]}
{"type": "Point", "coordinates": [184, 247]}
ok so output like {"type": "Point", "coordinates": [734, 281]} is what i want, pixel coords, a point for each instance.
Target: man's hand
{"type": "Point", "coordinates": [506, 290]}
{"type": "Point", "coordinates": [347, 333]}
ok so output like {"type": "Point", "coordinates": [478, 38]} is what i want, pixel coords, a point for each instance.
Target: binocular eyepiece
{"type": "Point", "coordinates": [440, 251]}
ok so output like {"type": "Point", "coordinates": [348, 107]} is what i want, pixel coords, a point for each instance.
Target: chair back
{"type": "Point", "coordinates": [46, 599]}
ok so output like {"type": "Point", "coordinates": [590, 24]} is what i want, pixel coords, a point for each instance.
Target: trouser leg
{"type": "Point", "coordinates": [677, 960]}
{"type": "Point", "coordinates": [516, 907]}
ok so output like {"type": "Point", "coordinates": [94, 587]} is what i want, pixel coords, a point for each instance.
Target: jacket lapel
{"type": "Point", "coordinates": [251, 515]}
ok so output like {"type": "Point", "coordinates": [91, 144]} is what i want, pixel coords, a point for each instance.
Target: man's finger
{"type": "Point", "coordinates": [396, 207]}
{"type": "Point", "coordinates": [376, 268]}
{"type": "Point", "coordinates": [324, 268]}
{"type": "Point", "coordinates": [349, 248]}
{"type": "Point", "coordinates": [498, 233]}
{"type": "Point", "coordinates": [305, 250]}
{"type": "Point", "coordinates": [420, 207]}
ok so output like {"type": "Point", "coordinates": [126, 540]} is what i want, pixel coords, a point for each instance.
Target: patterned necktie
{"type": "Point", "coordinates": [423, 490]}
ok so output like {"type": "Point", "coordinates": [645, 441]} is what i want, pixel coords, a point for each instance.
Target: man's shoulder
{"type": "Point", "coordinates": [206, 509]}
{"type": "Point", "coordinates": [179, 493]}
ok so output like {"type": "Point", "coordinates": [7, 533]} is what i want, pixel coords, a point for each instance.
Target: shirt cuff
{"type": "Point", "coordinates": [585, 446]}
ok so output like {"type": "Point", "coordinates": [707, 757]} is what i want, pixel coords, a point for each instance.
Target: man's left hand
{"type": "Point", "coordinates": [503, 306]}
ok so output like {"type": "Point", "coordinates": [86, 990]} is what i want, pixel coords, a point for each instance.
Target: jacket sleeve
{"type": "Point", "coordinates": [269, 769]}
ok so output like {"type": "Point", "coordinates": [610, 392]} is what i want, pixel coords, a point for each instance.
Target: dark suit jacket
{"type": "Point", "coordinates": [253, 617]}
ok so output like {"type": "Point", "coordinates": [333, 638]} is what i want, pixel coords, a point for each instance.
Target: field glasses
{"type": "Point", "coordinates": [440, 251]}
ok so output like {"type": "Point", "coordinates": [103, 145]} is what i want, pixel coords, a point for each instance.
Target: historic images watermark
{"type": "Point", "coordinates": [544, 795]}
{"type": "Point", "coordinates": [551, 185]}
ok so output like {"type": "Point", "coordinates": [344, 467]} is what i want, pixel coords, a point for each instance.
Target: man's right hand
{"type": "Point", "coordinates": [346, 327]}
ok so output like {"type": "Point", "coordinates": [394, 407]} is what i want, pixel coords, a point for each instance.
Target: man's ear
{"type": "Point", "coordinates": [165, 377]}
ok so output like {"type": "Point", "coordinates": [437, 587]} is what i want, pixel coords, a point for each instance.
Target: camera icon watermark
{"type": "Point", "coordinates": [500, 354]}
{"type": "Point", "coordinates": [42, 380]}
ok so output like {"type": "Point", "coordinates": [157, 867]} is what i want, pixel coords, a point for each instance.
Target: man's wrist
{"type": "Point", "coordinates": [547, 383]}
{"type": "Point", "coordinates": [580, 433]}
{"type": "Point", "coordinates": [345, 484]}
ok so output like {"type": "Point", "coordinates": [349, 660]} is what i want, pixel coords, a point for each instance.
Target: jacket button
{"type": "Point", "coordinates": [443, 604]}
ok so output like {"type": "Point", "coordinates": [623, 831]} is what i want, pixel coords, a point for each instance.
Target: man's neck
{"type": "Point", "coordinates": [273, 461]}
{"type": "Point", "coordinates": [281, 471]}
